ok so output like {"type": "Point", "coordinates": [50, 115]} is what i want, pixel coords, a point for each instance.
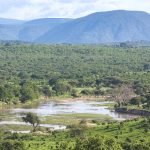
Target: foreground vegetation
{"type": "Point", "coordinates": [127, 135]}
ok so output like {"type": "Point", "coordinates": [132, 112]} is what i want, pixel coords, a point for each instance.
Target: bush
{"type": "Point", "coordinates": [86, 92]}
{"type": "Point", "coordinates": [12, 145]}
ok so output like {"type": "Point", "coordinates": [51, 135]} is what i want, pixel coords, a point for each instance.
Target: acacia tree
{"type": "Point", "coordinates": [123, 94]}
{"type": "Point", "coordinates": [33, 119]}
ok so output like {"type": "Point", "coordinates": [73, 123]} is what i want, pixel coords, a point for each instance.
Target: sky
{"type": "Point", "coordinates": [32, 9]}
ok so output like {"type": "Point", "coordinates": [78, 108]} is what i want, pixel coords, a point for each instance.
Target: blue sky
{"type": "Point", "coordinates": [31, 9]}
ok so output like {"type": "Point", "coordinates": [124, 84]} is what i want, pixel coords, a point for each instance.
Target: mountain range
{"type": "Point", "coordinates": [100, 27]}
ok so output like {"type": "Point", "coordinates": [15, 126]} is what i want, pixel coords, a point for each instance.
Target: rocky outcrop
{"type": "Point", "coordinates": [133, 111]}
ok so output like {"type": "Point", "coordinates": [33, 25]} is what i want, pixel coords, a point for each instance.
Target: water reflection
{"type": "Point", "coordinates": [73, 107]}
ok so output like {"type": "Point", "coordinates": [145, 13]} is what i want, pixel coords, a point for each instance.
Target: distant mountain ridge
{"type": "Point", "coordinates": [103, 27]}
{"type": "Point", "coordinates": [100, 27]}
{"type": "Point", "coordinates": [28, 31]}
{"type": "Point", "coordinates": [6, 21]}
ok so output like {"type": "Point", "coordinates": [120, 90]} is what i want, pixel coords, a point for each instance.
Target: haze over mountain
{"type": "Point", "coordinates": [100, 27]}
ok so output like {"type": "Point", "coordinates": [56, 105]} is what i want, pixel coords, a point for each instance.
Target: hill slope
{"type": "Point", "coordinates": [35, 28]}
{"type": "Point", "coordinates": [9, 28]}
{"type": "Point", "coordinates": [112, 26]}
{"type": "Point", "coordinates": [9, 32]}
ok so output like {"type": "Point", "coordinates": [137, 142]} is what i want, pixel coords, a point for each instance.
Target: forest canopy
{"type": "Point", "coordinates": [28, 71]}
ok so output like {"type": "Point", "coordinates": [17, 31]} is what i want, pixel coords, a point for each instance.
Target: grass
{"type": "Point", "coordinates": [87, 116]}
{"type": "Point", "coordinates": [109, 105]}
{"type": "Point", "coordinates": [63, 119]}
{"type": "Point", "coordinates": [124, 132]}
{"type": "Point", "coordinates": [69, 119]}
{"type": "Point", "coordinates": [15, 127]}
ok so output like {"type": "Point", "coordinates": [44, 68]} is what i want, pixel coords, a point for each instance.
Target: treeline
{"type": "Point", "coordinates": [30, 90]}
{"type": "Point", "coordinates": [19, 93]}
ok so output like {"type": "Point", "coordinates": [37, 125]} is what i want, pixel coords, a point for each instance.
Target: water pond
{"type": "Point", "coordinates": [54, 108]}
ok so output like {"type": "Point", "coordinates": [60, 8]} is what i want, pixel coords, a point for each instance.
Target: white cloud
{"type": "Point", "coordinates": [29, 9]}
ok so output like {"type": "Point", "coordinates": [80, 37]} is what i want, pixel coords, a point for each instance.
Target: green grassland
{"type": "Point", "coordinates": [70, 119]}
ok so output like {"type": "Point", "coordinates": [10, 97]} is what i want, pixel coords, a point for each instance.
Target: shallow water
{"type": "Point", "coordinates": [72, 107]}
{"type": "Point", "coordinates": [68, 107]}
{"type": "Point", "coordinates": [53, 127]}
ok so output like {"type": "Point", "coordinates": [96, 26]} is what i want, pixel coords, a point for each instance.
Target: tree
{"type": "Point", "coordinates": [48, 92]}
{"type": "Point", "coordinates": [32, 119]}
{"type": "Point", "coordinates": [29, 91]}
{"type": "Point", "coordinates": [3, 94]}
{"type": "Point", "coordinates": [6, 93]}
{"type": "Point", "coordinates": [148, 100]}
{"type": "Point", "coordinates": [97, 143]}
{"type": "Point", "coordinates": [77, 131]}
{"type": "Point", "coordinates": [19, 146]}
{"type": "Point", "coordinates": [139, 146]}
{"type": "Point", "coordinates": [111, 144]}
{"type": "Point", "coordinates": [63, 146]}
{"type": "Point", "coordinates": [146, 67]}
{"type": "Point", "coordinates": [87, 92]}
{"type": "Point", "coordinates": [98, 92]}
{"type": "Point", "coordinates": [122, 95]}
{"type": "Point", "coordinates": [12, 145]}
{"type": "Point", "coordinates": [62, 87]}
{"type": "Point", "coordinates": [136, 101]}
{"type": "Point", "coordinates": [74, 93]}
{"type": "Point", "coordinates": [92, 143]}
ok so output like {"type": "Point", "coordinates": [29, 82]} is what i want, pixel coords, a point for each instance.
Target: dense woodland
{"type": "Point", "coordinates": [29, 71]}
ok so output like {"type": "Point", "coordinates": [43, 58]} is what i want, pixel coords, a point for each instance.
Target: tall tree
{"type": "Point", "coordinates": [33, 119]}
{"type": "Point", "coordinates": [123, 94]}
